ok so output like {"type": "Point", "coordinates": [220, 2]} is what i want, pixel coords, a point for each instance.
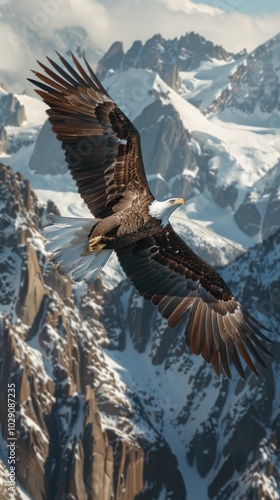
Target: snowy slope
{"type": "Point", "coordinates": [251, 94]}
{"type": "Point", "coordinates": [22, 116]}
{"type": "Point", "coordinates": [202, 85]}
{"type": "Point", "coordinates": [35, 110]}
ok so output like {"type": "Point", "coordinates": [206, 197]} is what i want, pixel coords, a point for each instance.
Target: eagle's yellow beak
{"type": "Point", "coordinates": [180, 201]}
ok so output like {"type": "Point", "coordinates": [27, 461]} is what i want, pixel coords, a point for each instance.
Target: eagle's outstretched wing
{"type": "Point", "coordinates": [102, 147]}
{"type": "Point", "coordinates": [104, 157]}
{"type": "Point", "coordinates": [185, 288]}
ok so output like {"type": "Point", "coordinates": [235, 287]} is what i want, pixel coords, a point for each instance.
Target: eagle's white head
{"type": "Point", "coordinates": [163, 209]}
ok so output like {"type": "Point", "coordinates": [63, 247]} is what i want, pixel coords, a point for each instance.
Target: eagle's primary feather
{"type": "Point", "coordinates": [103, 152]}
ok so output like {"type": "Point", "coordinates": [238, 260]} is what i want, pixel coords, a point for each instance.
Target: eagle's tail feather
{"type": "Point", "coordinates": [68, 244]}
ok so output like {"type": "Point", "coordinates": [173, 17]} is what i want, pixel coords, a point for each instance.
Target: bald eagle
{"type": "Point", "coordinates": [103, 153]}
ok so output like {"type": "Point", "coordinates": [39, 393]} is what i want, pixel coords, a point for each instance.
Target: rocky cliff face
{"type": "Point", "coordinates": [109, 403]}
{"type": "Point", "coordinates": [172, 155]}
{"type": "Point", "coordinates": [254, 207]}
{"type": "Point", "coordinates": [258, 214]}
{"type": "Point", "coordinates": [3, 140]}
{"type": "Point", "coordinates": [228, 434]}
{"type": "Point", "coordinates": [167, 57]}
{"type": "Point", "coordinates": [47, 156]}
{"type": "Point", "coordinates": [58, 422]}
{"type": "Point", "coordinates": [75, 436]}
{"type": "Point", "coordinates": [253, 88]}
{"type": "Point", "coordinates": [12, 113]}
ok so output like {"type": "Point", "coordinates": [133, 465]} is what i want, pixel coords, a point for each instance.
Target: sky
{"type": "Point", "coordinates": [27, 28]}
{"type": "Point", "coordinates": [235, 24]}
{"type": "Point", "coordinates": [251, 7]}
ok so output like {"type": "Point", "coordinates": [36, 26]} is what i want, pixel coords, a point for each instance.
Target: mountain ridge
{"type": "Point", "coordinates": [253, 88]}
{"type": "Point", "coordinates": [167, 57]}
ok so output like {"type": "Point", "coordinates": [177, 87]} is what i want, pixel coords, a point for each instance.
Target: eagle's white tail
{"type": "Point", "coordinates": [68, 243]}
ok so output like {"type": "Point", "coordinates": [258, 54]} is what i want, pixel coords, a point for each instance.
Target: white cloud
{"type": "Point", "coordinates": [142, 19]}
{"type": "Point", "coordinates": [188, 7]}
{"type": "Point", "coordinates": [9, 48]}
{"type": "Point", "coordinates": [27, 29]}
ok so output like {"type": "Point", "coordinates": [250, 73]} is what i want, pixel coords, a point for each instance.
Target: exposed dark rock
{"type": "Point", "coordinates": [270, 223]}
{"type": "Point", "coordinates": [226, 195]}
{"type": "Point", "coordinates": [47, 156]}
{"type": "Point", "coordinates": [204, 448]}
{"type": "Point", "coordinates": [247, 216]}
{"type": "Point", "coordinates": [223, 477]}
{"type": "Point", "coordinates": [161, 463]}
{"type": "Point", "coordinates": [4, 141]}
{"type": "Point", "coordinates": [11, 111]}
{"type": "Point", "coordinates": [169, 148]}
{"type": "Point", "coordinates": [111, 60]}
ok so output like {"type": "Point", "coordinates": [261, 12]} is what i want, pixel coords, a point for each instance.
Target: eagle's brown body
{"type": "Point", "coordinates": [126, 227]}
{"type": "Point", "coordinates": [103, 152]}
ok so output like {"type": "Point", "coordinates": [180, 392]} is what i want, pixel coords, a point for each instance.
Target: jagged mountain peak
{"type": "Point", "coordinates": [252, 93]}
{"type": "Point", "coordinates": [167, 57]}
{"type": "Point", "coordinates": [12, 114]}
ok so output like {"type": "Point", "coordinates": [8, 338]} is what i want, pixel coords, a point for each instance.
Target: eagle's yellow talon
{"type": "Point", "coordinates": [94, 245]}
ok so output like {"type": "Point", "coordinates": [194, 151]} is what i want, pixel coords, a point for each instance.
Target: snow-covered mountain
{"type": "Point", "coordinates": [99, 374]}
{"type": "Point", "coordinates": [251, 95]}
{"type": "Point", "coordinates": [110, 402]}
{"type": "Point", "coordinates": [167, 57]}
{"type": "Point", "coordinates": [12, 114]}
{"type": "Point", "coordinates": [17, 129]}
{"type": "Point", "coordinates": [225, 171]}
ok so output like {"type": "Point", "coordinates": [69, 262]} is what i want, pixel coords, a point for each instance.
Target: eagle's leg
{"type": "Point", "coordinates": [94, 245]}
